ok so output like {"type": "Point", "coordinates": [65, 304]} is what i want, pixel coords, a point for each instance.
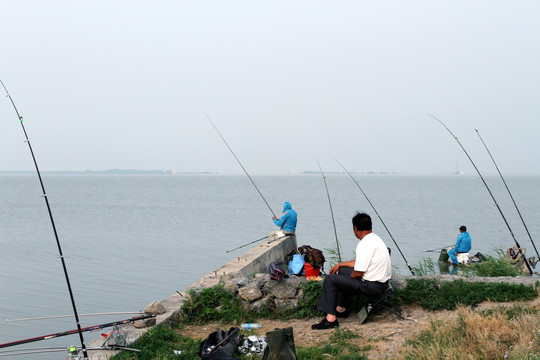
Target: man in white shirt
{"type": "Point", "coordinates": [367, 274]}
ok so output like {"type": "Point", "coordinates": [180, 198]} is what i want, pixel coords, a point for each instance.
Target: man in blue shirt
{"type": "Point", "coordinates": [287, 222]}
{"type": "Point", "coordinates": [463, 245]}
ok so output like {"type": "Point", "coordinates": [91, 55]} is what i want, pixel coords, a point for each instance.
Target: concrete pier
{"type": "Point", "coordinates": [255, 260]}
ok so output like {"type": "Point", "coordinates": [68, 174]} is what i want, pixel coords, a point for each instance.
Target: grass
{"type": "Point", "coordinates": [513, 332]}
{"type": "Point", "coordinates": [159, 343]}
{"type": "Point", "coordinates": [505, 332]}
{"type": "Point", "coordinates": [432, 295]}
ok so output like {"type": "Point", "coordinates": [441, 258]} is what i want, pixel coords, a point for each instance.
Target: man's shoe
{"type": "Point", "coordinates": [325, 324]}
{"type": "Point", "coordinates": [342, 315]}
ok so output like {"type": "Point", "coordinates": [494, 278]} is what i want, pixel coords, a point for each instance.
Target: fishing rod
{"type": "Point", "coordinates": [438, 249]}
{"type": "Point", "coordinates": [232, 152]}
{"type": "Point", "coordinates": [52, 223]}
{"type": "Point", "coordinates": [373, 207]}
{"type": "Point", "coordinates": [331, 211]}
{"type": "Point", "coordinates": [489, 191]}
{"type": "Point", "coordinates": [509, 193]}
{"type": "Point", "coordinates": [71, 350]}
{"type": "Point", "coordinates": [70, 332]}
{"type": "Point", "coordinates": [271, 241]}
{"type": "Point", "coordinates": [65, 316]}
{"type": "Point", "coordinates": [241, 246]}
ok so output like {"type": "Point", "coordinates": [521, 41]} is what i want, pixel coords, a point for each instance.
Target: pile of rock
{"type": "Point", "coordinates": [260, 292]}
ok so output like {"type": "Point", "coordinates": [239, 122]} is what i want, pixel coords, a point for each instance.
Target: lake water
{"type": "Point", "coordinates": [131, 239]}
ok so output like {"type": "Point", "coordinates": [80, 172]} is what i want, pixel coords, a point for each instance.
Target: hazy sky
{"type": "Point", "coordinates": [110, 84]}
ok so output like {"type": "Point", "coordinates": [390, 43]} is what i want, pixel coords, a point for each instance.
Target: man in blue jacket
{"type": "Point", "coordinates": [287, 222]}
{"type": "Point", "coordinates": [463, 245]}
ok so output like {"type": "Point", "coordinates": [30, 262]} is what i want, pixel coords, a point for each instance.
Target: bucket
{"type": "Point", "coordinates": [310, 270]}
{"type": "Point", "coordinates": [444, 255]}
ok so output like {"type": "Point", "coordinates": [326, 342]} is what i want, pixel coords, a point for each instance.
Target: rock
{"type": "Point", "coordinates": [262, 304]}
{"type": "Point", "coordinates": [233, 275]}
{"type": "Point", "coordinates": [250, 292]}
{"type": "Point", "coordinates": [262, 278]}
{"type": "Point", "coordinates": [282, 289]}
{"type": "Point", "coordinates": [154, 308]}
{"type": "Point", "coordinates": [230, 285]}
{"type": "Point", "coordinates": [286, 304]}
{"type": "Point", "coordinates": [139, 324]}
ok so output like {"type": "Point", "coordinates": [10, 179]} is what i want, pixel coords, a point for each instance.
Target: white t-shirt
{"type": "Point", "coordinates": [373, 259]}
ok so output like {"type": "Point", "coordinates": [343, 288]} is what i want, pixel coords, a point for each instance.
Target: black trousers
{"type": "Point", "coordinates": [338, 286]}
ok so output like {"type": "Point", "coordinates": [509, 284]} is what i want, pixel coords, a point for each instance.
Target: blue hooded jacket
{"type": "Point", "coordinates": [288, 218]}
{"type": "Point", "coordinates": [463, 243]}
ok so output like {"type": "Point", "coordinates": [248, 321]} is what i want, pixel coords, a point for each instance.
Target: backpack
{"type": "Point", "coordinates": [276, 273]}
{"type": "Point", "coordinates": [313, 256]}
{"type": "Point", "coordinates": [221, 345]}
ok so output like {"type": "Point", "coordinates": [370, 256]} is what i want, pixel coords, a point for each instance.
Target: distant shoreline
{"type": "Point", "coordinates": [174, 172]}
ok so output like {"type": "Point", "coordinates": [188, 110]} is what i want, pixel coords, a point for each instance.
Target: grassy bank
{"type": "Point", "coordinates": [512, 331]}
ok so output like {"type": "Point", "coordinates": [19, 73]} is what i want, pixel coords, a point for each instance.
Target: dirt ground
{"type": "Point", "coordinates": [384, 332]}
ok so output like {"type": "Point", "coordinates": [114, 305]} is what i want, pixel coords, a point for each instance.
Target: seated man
{"type": "Point", "coordinates": [368, 274]}
{"type": "Point", "coordinates": [287, 222]}
{"type": "Point", "coordinates": [463, 245]}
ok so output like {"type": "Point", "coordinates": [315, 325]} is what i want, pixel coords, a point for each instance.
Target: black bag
{"type": "Point", "coordinates": [221, 345]}
{"type": "Point", "coordinates": [276, 273]}
{"type": "Point", "coordinates": [280, 345]}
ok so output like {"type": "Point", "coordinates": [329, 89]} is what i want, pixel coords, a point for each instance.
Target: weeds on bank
{"type": "Point", "coordinates": [480, 335]}
{"type": "Point", "coordinates": [432, 295]}
{"type": "Point", "coordinates": [498, 265]}
{"type": "Point", "coordinates": [493, 265]}
{"type": "Point", "coordinates": [159, 343]}
{"type": "Point", "coordinates": [425, 267]}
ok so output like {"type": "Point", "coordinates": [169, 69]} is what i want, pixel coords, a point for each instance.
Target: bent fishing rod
{"type": "Point", "coordinates": [373, 207]}
{"type": "Point", "coordinates": [509, 193]}
{"type": "Point", "coordinates": [331, 210]}
{"type": "Point", "coordinates": [232, 152]}
{"type": "Point", "coordinates": [70, 332]}
{"type": "Point", "coordinates": [241, 246]}
{"type": "Point", "coordinates": [269, 242]}
{"type": "Point", "coordinates": [489, 191]}
{"type": "Point", "coordinates": [52, 223]}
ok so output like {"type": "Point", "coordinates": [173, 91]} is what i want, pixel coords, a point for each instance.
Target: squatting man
{"type": "Point", "coordinates": [367, 274]}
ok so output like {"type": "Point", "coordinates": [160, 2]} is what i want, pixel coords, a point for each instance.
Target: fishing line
{"type": "Point", "coordinates": [373, 207]}
{"type": "Point", "coordinates": [232, 152]}
{"type": "Point", "coordinates": [65, 316]}
{"type": "Point", "coordinates": [331, 211]}
{"type": "Point", "coordinates": [509, 193]}
{"type": "Point", "coordinates": [438, 249]}
{"type": "Point", "coordinates": [70, 332]}
{"type": "Point", "coordinates": [271, 241]}
{"type": "Point", "coordinates": [490, 193]}
{"type": "Point", "coordinates": [52, 223]}
{"type": "Point", "coordinates": [241, 246]}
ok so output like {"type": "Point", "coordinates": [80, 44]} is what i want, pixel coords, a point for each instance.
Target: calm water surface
{"type": "Point", "coordinates": [129, 240]}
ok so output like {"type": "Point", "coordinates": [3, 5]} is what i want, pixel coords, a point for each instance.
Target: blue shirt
{"type": "Point", "coordinates": [463, 243]}
{"type": "Point", "coordinates": [288, 218]}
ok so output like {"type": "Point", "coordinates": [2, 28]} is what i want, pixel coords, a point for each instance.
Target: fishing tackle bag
{"type": "Point", "coordinates": [276, 273]}
{"type": "Point", "coordinates": [221, 345]}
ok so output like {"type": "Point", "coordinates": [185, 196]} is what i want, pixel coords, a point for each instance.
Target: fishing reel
{"type": "Point", "coordinates": [73, 353]}
{"type": "Point", "coordinates": [533, 261]}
